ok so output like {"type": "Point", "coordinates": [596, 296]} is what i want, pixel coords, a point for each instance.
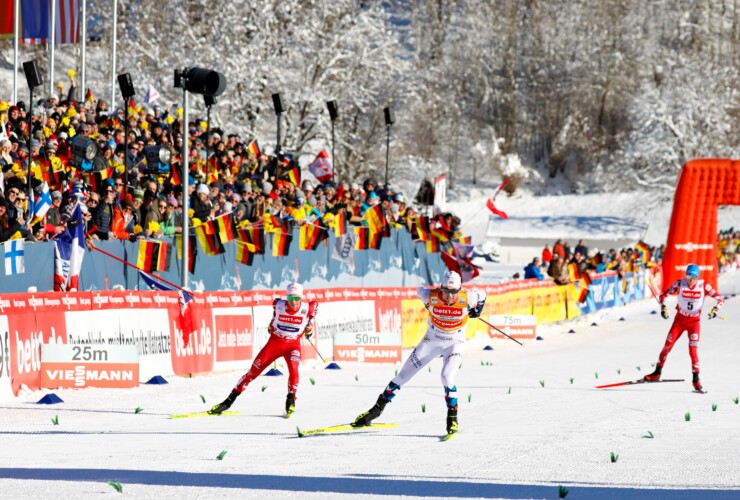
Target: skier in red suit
{"type": "Point", "coordinates": [691, 292]}
{"type": "Point", "coordinates": [291, 319]}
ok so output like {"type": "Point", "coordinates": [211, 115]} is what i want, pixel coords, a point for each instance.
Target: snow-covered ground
{"type": "Point", "coordinates": [531, 421]}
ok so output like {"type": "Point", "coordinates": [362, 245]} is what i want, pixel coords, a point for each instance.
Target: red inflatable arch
{"type": "Point", "coordinates": [703, 185]}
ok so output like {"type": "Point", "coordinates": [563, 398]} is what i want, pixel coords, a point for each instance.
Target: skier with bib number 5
{"type": "Point", "coordinates": [291, 319]}
{"type": "Point", "coordinates": [449, 309]}
{"type": "Point", "coordinates": [690, 292]}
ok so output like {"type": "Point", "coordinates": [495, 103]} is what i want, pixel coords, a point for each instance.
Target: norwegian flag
{"type": "Point", "coordinates": [151, 95]}
{"type": "Point", "coordinates": [491, 203]}
{"type": "Point", "coordinates": [321, 167]}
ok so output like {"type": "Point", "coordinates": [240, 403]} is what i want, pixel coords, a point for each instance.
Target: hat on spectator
{"type": "Point", "coordinates": [235, 198]}
{"type": "Point", "coordinates": [312, 200]}
{"type": "Point", "coordinates": [247, 187]}
{"type": "Point", "coordinates": [399, 198]}
{"type": "Point", "coordinates": [172, 201]}
{"type": "Point", "coordinates": [35, 143]}
{"type": "Point", "coordinates": [372, 194]}
{"type": "Point", "coordinates": [267, 187]}
{"type": "Point", "coordinates": [56, 195]}
{"type": "Point", "coordinates": [202, 189]}
{"type": "Point", "coordinates": [138, 194]}
{"type": "Point", "coordinates": [228, 207]}
{"type": "Point", "coordinates": [229, 186]}
{"type": "Point", "coordinates": [242, 207]}
{"type": "Point", "coordinates": [395, 208]}
{"type": "Point", "coordinates": [307, 185]}
{"type": "Point", "coordinates": [354, 185]}
{"type": "Point", "coordinates": [51, 146]}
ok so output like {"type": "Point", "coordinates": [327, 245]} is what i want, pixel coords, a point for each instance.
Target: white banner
{"type": "Point", "coordinates": [440, 195]}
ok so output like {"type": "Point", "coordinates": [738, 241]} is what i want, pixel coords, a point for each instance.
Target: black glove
{"type": "Point", "coordinates": [713, 313]}
{"type": "Point", "coordinates": [663, 311]}
{"type": "Point", "coordinates": [475, 312]}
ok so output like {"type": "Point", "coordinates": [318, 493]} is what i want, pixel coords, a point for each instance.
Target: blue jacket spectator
{"type": "Point", "coordinates": [532, 270]}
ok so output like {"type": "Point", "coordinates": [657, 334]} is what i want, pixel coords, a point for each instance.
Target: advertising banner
{"type": "Point", "coordinates": [65, 366]}
{"type": "Point", "coordinates": [367, 347]}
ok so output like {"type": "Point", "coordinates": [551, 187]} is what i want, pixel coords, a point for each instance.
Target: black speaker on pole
{"type": "Point", "coordinates": [389, 118]}
{"type": "Point", "coordinates": [277, 101]}
{"type": "Point", "coordinates": [33, 75]}
{"type": "Point", "coordinates": [126, 85]}
{"type": "Point", "coordinates": [333, 111]}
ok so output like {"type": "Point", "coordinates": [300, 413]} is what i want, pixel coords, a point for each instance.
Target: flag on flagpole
{"type": "Point", "coordinates": [151, 95]}
{"type": "Point", "coordinates": [42, 204]}
{"type": "Point", "coordinates": [186, 298]}
{"type": "Point", "coordinates": [254, 147]}
{"type": "Point", "coordinates": [36, 20]}
{"type": "Point", "coordinates": [15, 262]}
{"type": "Point", "coordinates": [67, 22]}
{"type": "Point", "coordinates": [7, 10]}
{"type": "Point", "coordinates": [321, 167]}
{"type": "Point", "coordinates": [69, 250]}
{"type": "Point", "coordinates": [491, 203]}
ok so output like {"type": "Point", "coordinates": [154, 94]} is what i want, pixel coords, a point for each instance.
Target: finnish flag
{"type": "Point", "coordinates": [14, 257]}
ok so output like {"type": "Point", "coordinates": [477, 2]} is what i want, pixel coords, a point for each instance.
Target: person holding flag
{"type": "Point", "coordinates": [292, 319]}
{"type": "Point", "coordinates": [691, 292]}
{"type": "Point", "coordinates": [449, 309]}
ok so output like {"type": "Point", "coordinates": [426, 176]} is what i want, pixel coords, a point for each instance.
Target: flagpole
{"type": "Point", "coordinates": [16, 36]}
{"type": "Point", "coordinates": [136, 267]}
{"type": "Point", "coordinates": [113, 58]}
{"type": "Point", "coordinates": [185, 193]}
{"type": "Point", "coordinates": [83, 35]}
{"type": "Point", "coordinates": [51, 40]}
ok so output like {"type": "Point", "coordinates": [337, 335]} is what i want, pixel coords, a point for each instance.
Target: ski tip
{"type": "Point", "coordinates": [298, 430]}
{"type": "Point", "coordinates": [448, 437]}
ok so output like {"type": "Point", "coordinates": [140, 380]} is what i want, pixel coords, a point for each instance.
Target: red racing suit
{"type": "Point", "coordinates": [286, 329]}
{"type": "Point", "coordinates": [688, 317]}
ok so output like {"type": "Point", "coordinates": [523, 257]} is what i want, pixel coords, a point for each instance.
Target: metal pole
{"type": "Point", "coordinates": [28, 143]}
{"type": "Point", "coordinates": [52, 39]}
{"type": "Point", "coordinates": [387, 151]}
{"type": "Point", "coordinates": [113, 56]}
{"type": "Point", "coordinates": [208, 128]}
{"type": "Point", "coordinates": [16, 36]}
{"type": "Point", "coordinates": [125, 145]}
{"type": "Point", "coordinates": [277, 147]}
{"type": "Point", "coordinates": [185, 195]}
{"type": "Point", "coordinates": [333, 159]}
{"type": "Point", "coordinates": [83, 35]}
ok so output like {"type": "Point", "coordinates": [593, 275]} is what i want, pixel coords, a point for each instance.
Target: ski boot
{"type": "Point", "coordinates": [224, 405]}
{"type": "Point", "coordinates": [364, 419]}
{"type": "Point", "coordinates": [697, 384]}
{"type": "Point", "coordinates": [655, 376]}
{"type": "Point", "coordinates": [452, 420]}
{"type": "Point", "coordinates": [290, 405]}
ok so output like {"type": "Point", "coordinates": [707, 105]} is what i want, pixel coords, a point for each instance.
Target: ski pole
{"type": "Point", "coordinates": [652, 291]}
{"type": "Point", "coordinates": [315, 349]}
{"type": "Point", "coordinates": [501, 332]}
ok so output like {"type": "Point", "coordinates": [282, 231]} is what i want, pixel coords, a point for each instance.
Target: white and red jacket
{"type": "Point", "coordinates": [691, 299]}
{"type": "Point", "coordinates": [289, 324]}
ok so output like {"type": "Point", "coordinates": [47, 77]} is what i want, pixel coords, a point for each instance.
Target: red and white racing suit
{"type": "Point", "coordinates": [286, 329]}
{"type": "Point", "coordinates": [688, 317]}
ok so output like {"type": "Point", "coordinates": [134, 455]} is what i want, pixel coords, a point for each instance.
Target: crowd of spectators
{"type": "Point", "coordinates": [555, 262]}
{"type": "Point", "coordinates": [728, 248]}
{"type": "Point", "coordinates": [229, 176]}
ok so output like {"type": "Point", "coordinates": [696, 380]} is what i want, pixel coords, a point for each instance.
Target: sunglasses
{"type": "Point", "coordinates": [450, 291]}
{"type": "Point", "coordinates": [162, 206]}
{"type": "Point", "coordinates": [93, 201]}
{"type": "Point", "coordinates": [294, 299]}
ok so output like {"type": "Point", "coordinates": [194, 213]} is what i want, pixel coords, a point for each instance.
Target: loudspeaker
{"type": "Point", "coordinates": [126, 85]}
{"type": "Point", "coordinates": [333, 111]}
{"type": "Point", "coordinates": [277, 102]}
{"type": "Point", "coordinates": [209, 100]}
{"type": "Point", "coordinates": [205, 81]}
{"type": "Point", "coordinates": [33, 75]}
{"type": "Point", "coordinates": [389, 119]}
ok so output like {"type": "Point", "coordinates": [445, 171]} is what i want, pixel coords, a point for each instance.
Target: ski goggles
{"type": "Point", "coordinates": [450, 291]}
{"type": "Point", "coordinates": [293, 298]}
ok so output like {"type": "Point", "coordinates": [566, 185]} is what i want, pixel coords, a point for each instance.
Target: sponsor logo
{"type": "Point", "coordinates": [293, 320]}
{"type": "Point", "coordinates": [691, 294]}
{"type": "Point", "coordinates": [448, 312]}
{"type": "Point", "coordinates": [370, 353]}
{"type": "Point", "coordinates": [288, 329]}
{"type": "Point", "coordinates": [690, 246]}
{"type": "Point", "coordinates": [81, 375]}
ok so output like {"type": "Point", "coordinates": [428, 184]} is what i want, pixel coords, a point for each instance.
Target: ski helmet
{"type": "Point", "coordinates": [692, 271]}
{"type": "Point", "coordinates": [451, 281]}
{"type": "Point", "coordinates": [295, 290]}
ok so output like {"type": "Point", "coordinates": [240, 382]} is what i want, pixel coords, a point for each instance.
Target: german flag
{"type": "Point", "coordinates": [254, 147]}
{"type": "Point", "coordinates": [175, 178]}
{"type": "Point", "coordinates": [441, 234]}
{"type": "Point", "coordinates": [281, 243]}
{"type": "Point", "coordinates": [311, 235]}
{"type": "Point", "coordinates": [253, 238]}
{"type": "Point", "coordinates": [465, 240]}
{"type": "Point", "coordinates": [154, 256]}
{"type": "Point", "coordinates": [583, 295]}
{"type": "Point", "coordinates": [422, 227]}
{"type": "Point", "coordinates": [362, 240]}
{"type": "Point", "coordinates": [131, 106]}
{"type": "Point", "coordinates": [97, 178]}
{"type": "Point", "coordinates": [644, 251]}
{"type": "Point", "coordinates": [432, 244]}
{"type": "Point", "coordinates": [244, 255]}
{"type": "Point", "coordinates": [376, 239]}
{"type": "Point", "coordinates": [573, 272]}
{"type": "Point", "coordinates": [278, 223]}
{"type": "Point", "coordinates": [294, 174]}
{"type": "Point", "coordinates": [375, 219]}
{"type": "Point", "coordinates": [225, 228]}
{"type": "Point", "coordinates": [340, 223]}
{"type": "Point", "coordinates": [207, 234]}
{"type": "Point", "coordinates": [586, 277]}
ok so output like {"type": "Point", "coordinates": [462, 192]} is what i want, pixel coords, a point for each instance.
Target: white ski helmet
{"type": "Point", "coordinates": [295, 290]}
{"type": "Point", "coordinates": [451, 281]}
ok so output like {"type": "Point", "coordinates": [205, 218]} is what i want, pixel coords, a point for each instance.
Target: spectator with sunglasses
{"type": "Point", "coordinates": [292, 319]}
{"type": "Point", "coordinates": [449, 309]}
